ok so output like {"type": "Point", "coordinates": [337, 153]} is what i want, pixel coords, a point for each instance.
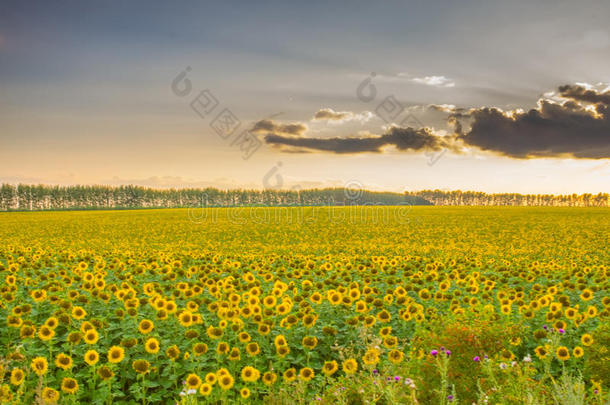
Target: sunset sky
{"type": "Point", "coordinates": [491, 96]}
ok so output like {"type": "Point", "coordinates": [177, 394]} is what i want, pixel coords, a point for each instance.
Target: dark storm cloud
{"type": "Point", "coordinates": [570, 128]}
{"type": "Point", "coordinates": [403, 139]}
{"type": "Point", "coordinates": [268, 126]}
{"type": "Point", "coordinates": [580, 93]}
{"type": "Point", "coordinates": [576, 124]}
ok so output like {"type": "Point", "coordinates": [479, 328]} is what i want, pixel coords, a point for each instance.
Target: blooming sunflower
{"type": "Point", "coordinates": [91, 357]}
{"type": "Point", "coordinates": [269, 378]}
{"type": "Point", "coordinates": [17, 376]}
{"type": "Point", "coordinates": [39, 365]}
{"type": "Point", "coordinates": [116, 354]}
{"type": "Point", "coordinates": [69, 385]}
{"type": "Point", "coordinates": [63, 361]}
{"type": "Point", "coordinates": [330, 367]}
{"type": "Point", "coordinates": [350, 366]}
{"type": "Point", "coordinates": [250, 374]}
{"type": "Point", "coordinates": [193, 381]}
{"type": "Point", "coordinates": [586, 339]}
{"type": "Point", "coordinates": [152, 346]}
{"type": "Point", "coordinates": [205, 389]}
{"type": "Point", "coordinates": [290, 374]}
{"type": "Point", "coordinates": [226, 381]}
{"type": "Point", "coordinates": [50, 395]}
{"type": "Point", "coordinates": [141, 366]}
{"type": "Point", "coordinates": [146, 326]}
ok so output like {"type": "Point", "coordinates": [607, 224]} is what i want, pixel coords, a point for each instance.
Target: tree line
{"type": "Point", "coordinates": [439, 197]}
{"type": "Point", "coordinates": [25, 197]}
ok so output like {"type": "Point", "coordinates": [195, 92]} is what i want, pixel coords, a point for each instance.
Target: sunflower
{"type": "Point", "coordinates": [264, 329]}
{"type": "Point", "coordinates": [350, 366]}
{"type": "Point", "coordinates": [46, 333]}
{"type": "Point", "coordinates": [384, 316]}
{"type": "Point", "coordinates": [63, 361]}
{"type": "Point", "coordinates": [27, 331]}
{"type": "Point", "coordinates": [310, 342]}
{"type": "Point", "coordinates": [562, 353]}
{"type": "Point", "coordinates": [395, 356]}
{"type": "Point", "coordinates": [200, 349]}
{"type": "Point", "coordinates": [541, 352]}
{"type": "Point", "coordinates": [330, 367]}
{"type": "Point", "coordinates": [587, 339]}
{"type": "Point", "coordinates": [226, 381]}
{"type": "Point", "coordinates": [105, 373]}
{"type": "Point", "coordinates": [78, 313]}
{"type": "Point", "coordinates": [244, 392]}
{"type": "Point", "coordinates": [193, 381]}
{"type": "Point", "coordinates": [146, 326]}
{"type": "Point", "coordinates": [69, 385]}
{"type": "Point", "coordinates": [578, 352]}
{"type": "Point", "coordinates": [290, 374]}
{"type": "Point", "coordinates": [172, 352]}
{"type": "Point", "coordinates": [586, 295]}
{"type": "Point", "coordinates": [371, 357]}
{"type": "Point", "coordinates": [116, 354]}
{"type": "Point", "coordinates": [222, 348]}
{"type": "Point", "coordinates": [211, 378]}
{"type": "Point", "coordinates": [282, 351]}
{"type": "Point", "coordinates": [185, 318]}
{"type": "Point", "coordinates": [205, 389]}
{"type": "Point", "coordinates": [235, 354]}
{"type": "Point", "coordinates": [269, 378]}
{"type": "Point", "coordinates": [280, 340]}
{"type": "Point", "coordinates": [39, 365]}
{"type": "Point", "coordinates": [390, 342]}
{"type": "Point", "coordinates": [152, 346]}
{"type": "Point", "coordinates": [214, 332]}
{"type": "Point", "coordinates": [17, 376]}
{"type": "Point", "coordinates": [91, 337]}
{"type": "Point", "coordinates": [49, 395]}
{"type": "Point", "coordinates": [91, 357]}
{"type": "Point", "coordinates": [250, 374]}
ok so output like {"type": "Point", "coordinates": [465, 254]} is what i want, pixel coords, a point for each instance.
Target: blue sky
{"type": "Point", "coordinates": [85, 92]}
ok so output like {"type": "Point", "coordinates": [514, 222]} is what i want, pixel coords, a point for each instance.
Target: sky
{"type": "Point", "coordinates": [400, 96]}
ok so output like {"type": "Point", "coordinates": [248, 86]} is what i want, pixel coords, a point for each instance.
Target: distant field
{"type": "Point", "coordinates": [313, 299]}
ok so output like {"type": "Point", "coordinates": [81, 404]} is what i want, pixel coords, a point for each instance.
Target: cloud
{"type": "Point", "coordinates": [269, 126]}
{"type": "Point", "coordinates": [328, 114]}
{"type": "Point", "coordinates": [578, 126]}
{"type": "Point", "coordinates": [572, 122]}
{"type": "Point", "coordinates": [403, 139]}
{"type": "Point", "coordinates": [437, 81]}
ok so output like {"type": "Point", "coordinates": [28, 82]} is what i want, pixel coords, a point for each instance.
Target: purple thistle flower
{"type": "Point", "coordinates": [450, 397]}
{"type": "Point", "coordinates": [397, 378]}
{"type": "Point", "coordinates": [375, 372]}
{"type": "Point", "coordinates": [448, 352]}
{"type": "Point", "coordinates": [434, 352]}
{"type": "Point", "coordinates": [562, 331]}
{"type": "Point", "coordinates": [476, 358]}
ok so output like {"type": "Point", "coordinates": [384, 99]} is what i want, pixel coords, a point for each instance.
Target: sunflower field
{"type": "Point", "coordinates": [329, 305]}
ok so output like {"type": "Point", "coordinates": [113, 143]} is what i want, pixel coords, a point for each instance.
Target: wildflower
{"type": "Point", "coordinates": [476, 358]}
